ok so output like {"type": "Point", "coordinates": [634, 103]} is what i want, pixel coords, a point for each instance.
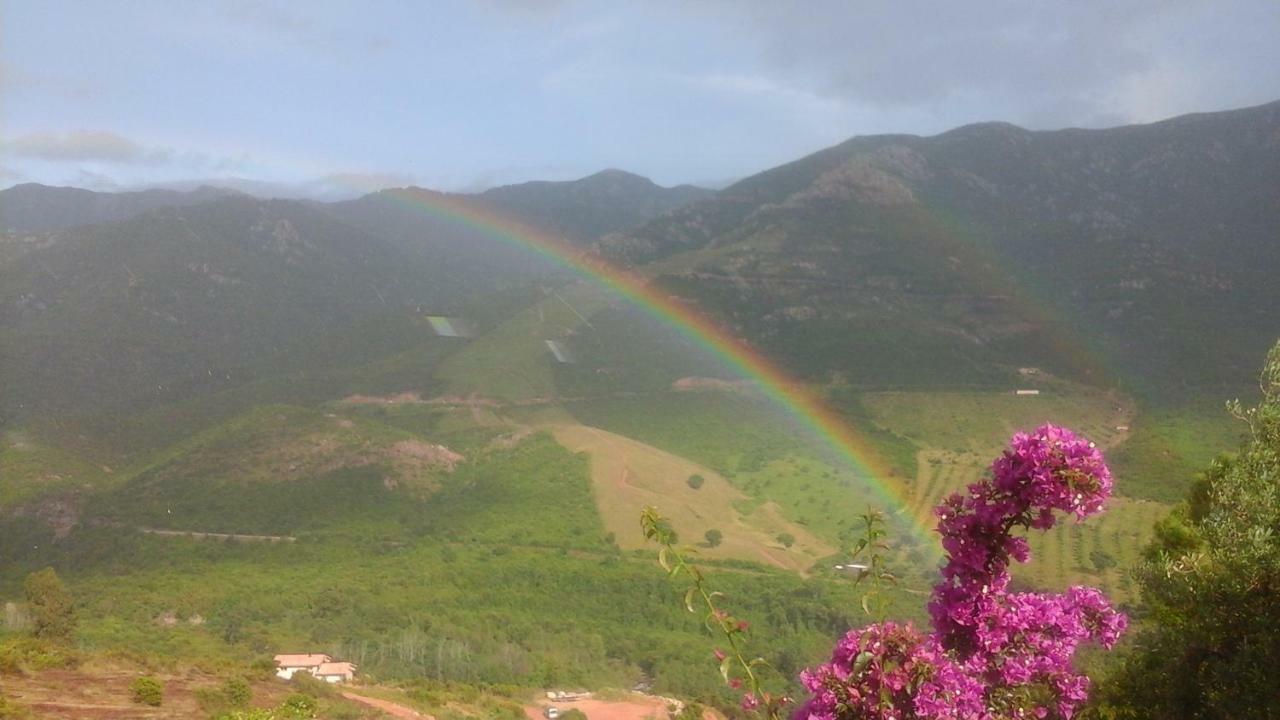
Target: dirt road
{"type": "Point", "coordinates": [638, 707]}
{"type": "Point", "coordinates": [395, 710]}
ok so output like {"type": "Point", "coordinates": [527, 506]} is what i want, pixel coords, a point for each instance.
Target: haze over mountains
{"type": "Point", "coordinates": [214, 362]}
{"type": "Point", "coordinates": [886, 261]}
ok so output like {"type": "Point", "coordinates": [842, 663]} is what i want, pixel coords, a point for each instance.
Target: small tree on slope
{"type": "Point", "coordinates": [52, 609]}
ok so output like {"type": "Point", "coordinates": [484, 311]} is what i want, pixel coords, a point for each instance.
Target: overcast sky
{"type": "Point", "coordinates": [462, 95]}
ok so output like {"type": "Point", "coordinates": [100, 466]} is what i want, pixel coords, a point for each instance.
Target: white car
{"type": "Point", "coordinates": [551, 713]}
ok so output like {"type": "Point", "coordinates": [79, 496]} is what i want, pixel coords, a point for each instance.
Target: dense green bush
{"type": "Point", "coordinates": [1210, 642]}
{"type": "Point", "coordinates": [51, 606]}
{"type": "Point", "coordinates": [147, 690]}
{"type": "Point", "coordinates": [237, 691]}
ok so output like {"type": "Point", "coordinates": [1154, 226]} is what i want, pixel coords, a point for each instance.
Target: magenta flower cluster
{"type": "Point", "coordinates": [992, 654]}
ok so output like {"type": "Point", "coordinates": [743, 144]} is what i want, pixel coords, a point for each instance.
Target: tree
{"type": "Point", "coordinates": [696, 481]}
{"type": "Point", "coordinates": [1211, 584]}
{"type": "Point", "coordinates": [713, 537]}
{"type": "Point", "coordinates": [787, 539]}
{"type": "Point", "coordinates": [52, 608]}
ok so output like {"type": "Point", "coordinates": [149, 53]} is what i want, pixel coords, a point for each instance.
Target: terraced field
{"type": "Point", "coordinates": [962, 432]}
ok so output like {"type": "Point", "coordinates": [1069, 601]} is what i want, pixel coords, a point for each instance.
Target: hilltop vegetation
{"type": "Point", "coordinates": [895, 260]}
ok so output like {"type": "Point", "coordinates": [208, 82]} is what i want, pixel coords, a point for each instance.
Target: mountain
{"type": "Point", "coordinates": [1142, 254]}
{"type": "Point", "coordinates": [32, 207]}
{"type": "Point", "coordinates": [231, 426]}
{"type": "Point", "coordinates": [585, 209]}
{"type": "Point", "coordinates": [580, 211]}
{"type": "Point", "coordinates": [186, 300]}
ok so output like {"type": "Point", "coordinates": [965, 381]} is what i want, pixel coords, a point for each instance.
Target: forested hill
{"type": "Point", "coordinates": [1113, 254]}
{"type": "Point", "coordinates": [32, 207]}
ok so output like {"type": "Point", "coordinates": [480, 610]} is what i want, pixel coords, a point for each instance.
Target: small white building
{"type": "Point", "coordinates": [1026, 392]}
{"type": "Point", "coordinates": [335, 672]}
{"type": "Point", "coordinates": [288, 665]}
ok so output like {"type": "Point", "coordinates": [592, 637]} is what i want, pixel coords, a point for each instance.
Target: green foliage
{"type": "Point", "coordinates": [713, 537]}
{"type": "Point", "coordinates": [1168, 446]}
{"type": "Point", "coordinates": [10, 710]}
{"type": "Point", "coordinates": [312, 686]}
{"type": "Point", "coordinates": [735, 669]}
{"type": "Point", "coordinates": [53, 611]}
{"type": "Point", "coordinates": [300, 705]}
{"type": "Point", "coordinates": [1211, 584]}
{"type": "Point", "coordinates": [29, 653]}
{"type": "Point", "coordinates": [573, 714]}
{"type": "Point", "coordinates": [237, 691]}
{"type": "Point", "coordinates": [1102, 560]}
{"type": "Point", "coordinates": [787, 539]}
{"type": "Point", "coordinates": [147, 690]}
{"type": "Point", "coordinates": [696, 481]}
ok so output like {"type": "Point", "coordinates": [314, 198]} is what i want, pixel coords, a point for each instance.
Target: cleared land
{"type": "Point", "coordinates": [635, 707]}
{"type": "Point", "coordinates": [628, 475]}
{"type": "Point", "coordinates": [963, 432]}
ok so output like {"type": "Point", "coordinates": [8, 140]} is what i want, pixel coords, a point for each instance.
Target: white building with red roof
{"type": "Point", "coordinates": [335, 672]}
{"type": "Point", "coordinates": [288, 665]}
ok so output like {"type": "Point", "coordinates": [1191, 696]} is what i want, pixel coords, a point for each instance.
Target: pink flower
{"type": "Point", "coordinates": [985, 640]}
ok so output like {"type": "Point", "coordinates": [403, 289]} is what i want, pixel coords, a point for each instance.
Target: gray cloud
{"type": "Point", "coordinates": [1039, 62]}
{"type": "Point", "coordinates": [85, 146]}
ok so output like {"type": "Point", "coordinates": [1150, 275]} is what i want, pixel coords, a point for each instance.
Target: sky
{"type": "Point", "coordinates": [334, 98]}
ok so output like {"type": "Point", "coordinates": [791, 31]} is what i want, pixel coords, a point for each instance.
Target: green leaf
{"type": "Point", "coordinates": [688, 598]}
{"type": "Point", "coordinates": [724, 667]}
{"type": "Point", "coordinates": [861, 662]}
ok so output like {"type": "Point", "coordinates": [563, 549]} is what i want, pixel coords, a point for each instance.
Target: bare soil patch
{"type": "Point", "coordinates": [636, 707]}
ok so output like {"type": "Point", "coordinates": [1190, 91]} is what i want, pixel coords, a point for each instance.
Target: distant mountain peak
{"type": "Point", "coordinates": [616, 175]}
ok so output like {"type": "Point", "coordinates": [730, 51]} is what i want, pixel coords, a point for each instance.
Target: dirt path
{"type": "Point", "coordinates": [395, 710]}
{"type": "Point", "coordinates": [637, 708]}
{"type": "Point", "coordinates": [218, 536]}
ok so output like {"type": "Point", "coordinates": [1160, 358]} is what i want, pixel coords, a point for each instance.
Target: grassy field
{"type": "Point", "coordinates": [1170, 446]}
{"type": "Point", "coordinates": [963, 432]}
{"type": "Point", "coordinates": [629, 475]}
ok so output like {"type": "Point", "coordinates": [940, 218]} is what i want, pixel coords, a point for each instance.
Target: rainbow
{"type": "Point", "coordinates": [795, 397]}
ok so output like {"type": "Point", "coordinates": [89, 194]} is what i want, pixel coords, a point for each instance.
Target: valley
{"type": "Point", "coordinates": [233, 426]}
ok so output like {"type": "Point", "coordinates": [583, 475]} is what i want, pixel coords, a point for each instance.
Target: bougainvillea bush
{"type": "Point", "coordinates": [991, 653]}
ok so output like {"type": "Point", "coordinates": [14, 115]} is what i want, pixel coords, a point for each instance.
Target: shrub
{"type": "Point", "coordinates": [237, 692]}
{"type": "Point", "coordinates": [147, 690]}
{"type": "Point", "coordinates": [300, 706]}
{"type": "Point", "coordinates": [714, 537]}
{"type": "Point", "coordinates": [787, 539]}
{"type": "Point", "coordinates": [696, 481]}
{"type": "Point", "coordinates": [211, 700]}
{"type": "Point", "coordinates": [308, 684]}
{"type": "Point", "coordinates": [33, 654]}
{"type": "Point", "coordinates": [10, 711]}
